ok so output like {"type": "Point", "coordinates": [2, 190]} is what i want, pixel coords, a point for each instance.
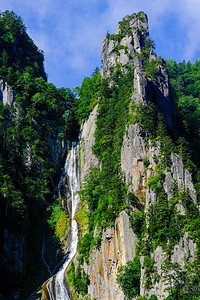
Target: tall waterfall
{"type": "Point", "coordinates": [56, 285]}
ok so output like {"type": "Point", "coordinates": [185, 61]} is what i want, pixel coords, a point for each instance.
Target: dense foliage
{"type": "Point", "coordinates": [78, 280]}
{"type": "Point", "coordinates": [88, 95]}
{"type": "Point", "coordinates": [185, 81]}
{"type": "Point", "coordinates": [17, 50]}
{"type": "Point", "coordinates": [41, 118]}
{"type": "Point", "coordinates": [58, 219]}
{"type": "Point", "coordinates": [129, 278]}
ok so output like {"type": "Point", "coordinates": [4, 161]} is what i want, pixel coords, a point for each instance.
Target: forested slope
{"type": "Point", "coordinates": [37, 125]}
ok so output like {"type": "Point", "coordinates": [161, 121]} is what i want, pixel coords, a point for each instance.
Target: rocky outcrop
{"type": "Point", "coordinates": [153, 90]}
{"type": "Point", "coordinates": [87, 140]}
{"type": "Point", "coordinates": [124, 48]}
{"type": "Point", "coordinates": [140, 82]}
{"type": "Point", "coordinates": [7, 94]}
{"type": "Point", "coordinates": [158, 92]}
{"type": "Point", "coordinates": [118, 246]}
{"type": "Point", "coordinates": [135, 157]}
{"type": "Point", "coordinates": [120, 47]}
{"type": "Point", "coordinates": [182, 176]}
{"type": "Point", "coordinates": [139, 161]}
{"type": "Point", "coordinates": [183, 253]}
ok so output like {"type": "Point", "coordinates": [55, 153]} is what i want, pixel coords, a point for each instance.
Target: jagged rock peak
{"type": "Point", "coordinates": [129, 38]}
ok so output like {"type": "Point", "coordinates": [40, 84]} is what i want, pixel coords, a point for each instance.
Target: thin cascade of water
{"type": "Point", "coordinates": [43, 250]}
{"type": "Point", "coordinates": [56, 285]}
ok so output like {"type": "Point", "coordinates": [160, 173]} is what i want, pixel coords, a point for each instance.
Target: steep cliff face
{"type": "Point", "coordinates": [7, 95]}
{"type": "Point", "coordinates": [153, 87]}
{"type": "Point", "coordinates": [117, 248]}
{"type": "Point", "coordinates": [144, 167]}
{"type": "Point", "coordinates": [87, 140]}
{"type": "Point", "coordinates": [183, 253]}
{"type": "Point", "coordinates": [120, 47]}
{"type": "Point", "coordinates": [134, 154]}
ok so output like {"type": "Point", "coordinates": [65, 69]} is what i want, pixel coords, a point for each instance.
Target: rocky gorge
{"type": "Point", "coordinates": [138, 214]}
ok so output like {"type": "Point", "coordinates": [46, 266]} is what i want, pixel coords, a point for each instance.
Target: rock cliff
{"type": "Point", "coordinates": [120, 47]}
{"type": "Point", "coordinates": [87, 140]}
{"type": "Point", "coordinates": [118, 246]}
{"type": "Point", "coordinates": [134, 153]}
{"type": "Point", "coordinates": [140, 160]}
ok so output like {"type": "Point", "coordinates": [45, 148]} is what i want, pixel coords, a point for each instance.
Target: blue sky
{"type": "Point", "coordinates": [70, 32]}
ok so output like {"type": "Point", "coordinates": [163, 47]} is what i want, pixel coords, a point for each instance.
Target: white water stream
{"type": "Point", "coordinates": [56, 285]}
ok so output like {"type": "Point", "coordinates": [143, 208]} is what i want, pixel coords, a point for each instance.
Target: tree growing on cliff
{"type": "Point", "coordinates": [128, 278]}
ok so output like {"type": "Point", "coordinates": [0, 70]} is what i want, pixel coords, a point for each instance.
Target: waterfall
{"type": "Point", "coordinates": [56, 285]}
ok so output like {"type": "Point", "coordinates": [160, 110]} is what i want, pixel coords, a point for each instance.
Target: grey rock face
{"type": "Point", "coordinates": [140, 82]}
{"type": "Point", "coordinates": [7, 95]}
{"type": "Point", "coordinates": [158, 287]}
{"type": "Point", "coordinates": [121, 47]}
{"type": "Point", "coordinates": [117, 248]}
{"type": "Point", "coordinates": [87, 140]}
{"type": "Point", "coordinates": [183, 252]}
{"type": "Point", "coordinates": [183, 177]}
{"type": "Point", "coordinates": [154, 90]}
{"type": "Point", "coordinates": [58, 145]}
{"type": "Point", "coordinates": [134, 152]}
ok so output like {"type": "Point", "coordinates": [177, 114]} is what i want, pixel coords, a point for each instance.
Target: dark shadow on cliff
{"type": "Point", "coordinates": [39, 268]}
